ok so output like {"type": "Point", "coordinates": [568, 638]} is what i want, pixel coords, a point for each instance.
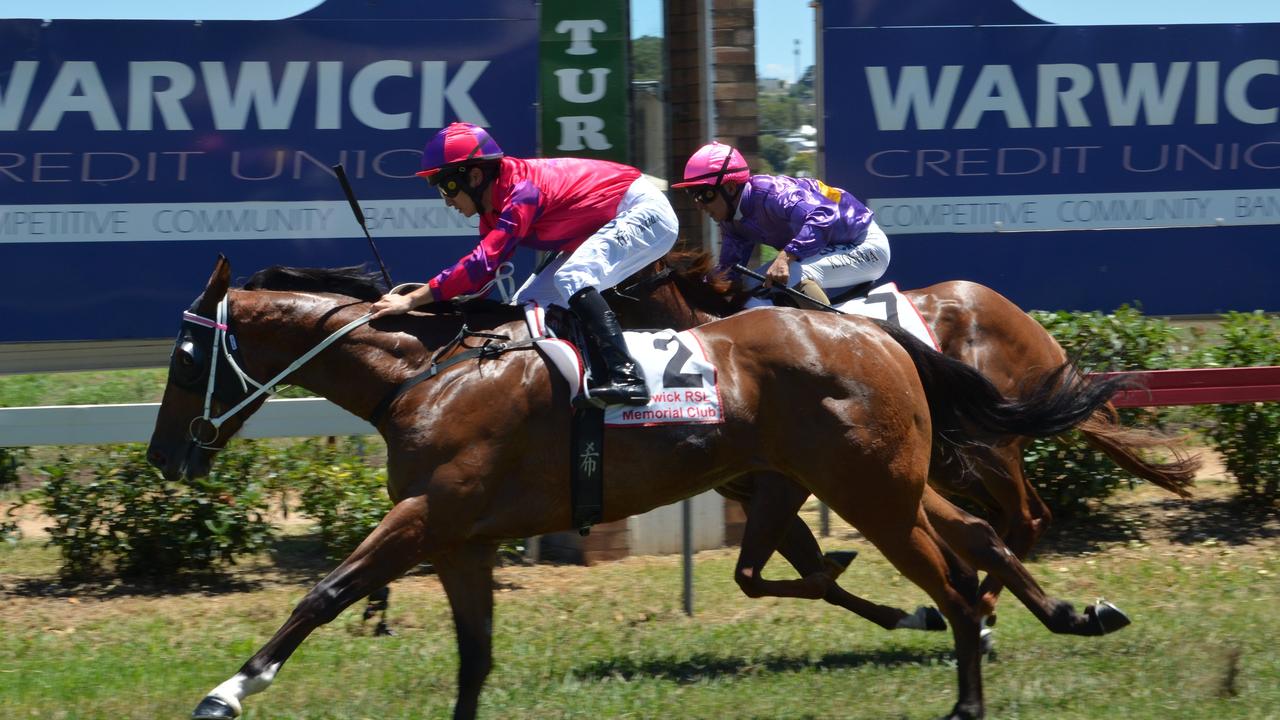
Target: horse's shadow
{"type": "Point", "coordinates": [1194, 521]}
{"type": "Point", "coordinates": [293, 559]}
{"type": "Point", "coordinates": [705, 666]}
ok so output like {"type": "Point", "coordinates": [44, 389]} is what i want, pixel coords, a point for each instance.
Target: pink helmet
{"type": "Point", "coordinates": [458, 144]}
{"type": "Point", "coordinates": [712, 164]}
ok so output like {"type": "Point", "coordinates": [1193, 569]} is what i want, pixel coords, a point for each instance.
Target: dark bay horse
{"type": "Point", "coordinates": [478, 453]}
{"type": "Point", "coordinates": [973, 324]}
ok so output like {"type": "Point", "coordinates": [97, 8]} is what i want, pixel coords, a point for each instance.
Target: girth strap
{"type": "Point", "coordinates": [488, 350]}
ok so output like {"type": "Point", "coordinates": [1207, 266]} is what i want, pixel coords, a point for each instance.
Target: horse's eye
{"type": "Point", "coordinates": [187, 354]}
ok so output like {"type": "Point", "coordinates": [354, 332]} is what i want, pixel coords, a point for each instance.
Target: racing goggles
{"type": "Point", "coordinates": [448, 182]}
{"type": "Point", "coordinates": [704, 194]}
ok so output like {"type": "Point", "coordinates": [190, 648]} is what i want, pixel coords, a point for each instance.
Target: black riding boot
{"type": "Point", "coordinates": [625, 380]}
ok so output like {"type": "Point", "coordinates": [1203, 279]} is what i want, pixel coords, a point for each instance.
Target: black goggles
{"type": "Point", "coordinates": [448, 182]}
{"type": "Point", "coordinates": [704, 194]}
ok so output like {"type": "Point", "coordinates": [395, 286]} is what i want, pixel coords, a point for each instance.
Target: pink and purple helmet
{"type": "Point", "coordinates": [712, 164]}
{"type": "Point", "coordinates": [456, 145]}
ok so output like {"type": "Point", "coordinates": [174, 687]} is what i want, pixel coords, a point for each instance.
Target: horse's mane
{"type": "Point", "coordinates": [353, 281]}
{"type": "Point", "coordinates": [357, 281]}
{"type": "Point", "coordinates": [703, 286]}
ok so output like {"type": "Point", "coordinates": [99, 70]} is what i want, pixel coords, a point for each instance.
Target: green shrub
{"type": "Point", "coordinates": [346, 496]}
{"type": "Point", "coordinates": [1123, 340]}
{"type": "Point", "coordinates": [114, 513]}
{"type": "Point", "coordinates": [1066, 472]}
{"type": "Point", "coordinates": [9, 464]}
{"type": "Point", "coordinates": [1247, 435]}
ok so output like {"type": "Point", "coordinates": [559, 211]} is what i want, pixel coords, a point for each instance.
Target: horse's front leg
{"type": "Point", "coordinates": [772, 503]}
{"type": "Point", "coordinates": [467, 576]}
{"type": "Point", "coordinates": [395, 546]}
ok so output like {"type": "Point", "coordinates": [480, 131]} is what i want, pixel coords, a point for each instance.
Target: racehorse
{"type": "Point", "coordinates": [477, 453]}
{"type": "Point", "coordinates": [971, 323]}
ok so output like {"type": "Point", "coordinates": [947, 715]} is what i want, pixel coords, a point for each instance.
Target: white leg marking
{"type": "Point", "coordinates": [242, 686]}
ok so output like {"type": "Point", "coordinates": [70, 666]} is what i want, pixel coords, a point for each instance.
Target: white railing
{"type": "Point", "coordinates": [107, 424]}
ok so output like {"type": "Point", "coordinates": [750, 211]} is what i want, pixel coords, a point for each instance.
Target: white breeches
{"type": "Point", "coordinates": [838, 266]}
{"type": "Point", "coordinates": [644, 230]}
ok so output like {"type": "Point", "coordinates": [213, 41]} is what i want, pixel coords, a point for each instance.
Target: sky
{"type": "Point", "coordinates": [787, 20]}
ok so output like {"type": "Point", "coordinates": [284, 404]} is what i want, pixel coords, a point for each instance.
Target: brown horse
{"type": "Point", "coordinates": [478, 452]}
{"type": "Point", "coordinates": [973, 324]}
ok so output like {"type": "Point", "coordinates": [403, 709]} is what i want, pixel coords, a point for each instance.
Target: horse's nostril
{"type": "Point", "coordinates": [155, 457]}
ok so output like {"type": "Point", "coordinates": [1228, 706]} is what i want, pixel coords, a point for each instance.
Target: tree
{"type": "Point", "coordinates": [803, 88]}
{"type": "Point", "coordinates": [802, 164]}
{"type": "Point", "coordinates": [775, 153]}
{"type": "Point", "coordinates": [778, 114]}
{"type": "Point", "coordinates": [646, 58]}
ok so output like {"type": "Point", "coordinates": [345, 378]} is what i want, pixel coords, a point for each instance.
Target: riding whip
{"type": "Point", "coordinates": [355, 210]}
{"type": "Point", "coordinates": [789, 290]}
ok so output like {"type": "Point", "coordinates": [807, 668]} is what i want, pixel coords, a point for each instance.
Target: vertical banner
{"type": "Point", "coordinates": [584, 80]}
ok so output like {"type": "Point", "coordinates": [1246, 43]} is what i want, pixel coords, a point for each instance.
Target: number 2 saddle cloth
{"type": "Point", "coordinates": [682, 383]}
{"type": "Point", "coordinates": [683, 387]}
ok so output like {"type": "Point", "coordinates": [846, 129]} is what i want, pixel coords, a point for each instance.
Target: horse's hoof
{"type": "Point", "coordinates": [838, 560]}
{"type": "Point", "coordinates": [933, 620]}
{"type": "Point", "coordinates": [986, 640]}
{"type": "Point", "coordinates": [924, 618]}
{"type": "Point", "coordinates": [212, 708]}
{"type": "Point", "coordinates": [959, 713]}
{"type": "Point", "coordinates": [1104, 617]}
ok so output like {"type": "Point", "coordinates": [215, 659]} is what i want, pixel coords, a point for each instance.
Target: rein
{"type": "Point", "coordinates": [221, 335]}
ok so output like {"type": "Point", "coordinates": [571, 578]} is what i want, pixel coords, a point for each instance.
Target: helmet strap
{"type": "Point", "coordinates": [476, 193]}
{"type": "Point", "coordinates": [730, 199]}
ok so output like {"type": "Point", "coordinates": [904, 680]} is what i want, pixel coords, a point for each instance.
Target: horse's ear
{"type": "Point", "coordinates": [215, 289]}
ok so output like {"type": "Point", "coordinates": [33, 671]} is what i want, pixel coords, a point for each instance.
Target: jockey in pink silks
{"type": "Point", "coordinates": [603, 218]}
{"type": "Point", "coordinates": [823, 234]}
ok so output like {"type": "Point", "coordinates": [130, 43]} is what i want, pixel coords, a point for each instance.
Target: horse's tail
{"type": "Point", "coordinates": [968, 410]}
{"type": "Point", "coordinates": [1103, 431]}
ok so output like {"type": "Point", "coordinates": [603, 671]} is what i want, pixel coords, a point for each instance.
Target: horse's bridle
{"type": "Point", "coordinates": [223, 348]}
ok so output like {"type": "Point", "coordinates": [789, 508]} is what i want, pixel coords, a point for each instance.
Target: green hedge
{"type": "Point", "coordinates": [114, 514]}
{"type": "Point", "coordinates": [346, 495]}
{"type": "Point", "coordinates": [9, 464]}
{"type": "Point", "coordinates": [1247, 435]}
{"type": "Point", "coordinates": [1069, 475]}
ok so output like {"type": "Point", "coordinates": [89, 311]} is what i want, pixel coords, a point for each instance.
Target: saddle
{"type": "Point", "coordinates": [813, 290]}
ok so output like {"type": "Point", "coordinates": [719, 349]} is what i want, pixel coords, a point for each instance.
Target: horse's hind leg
{"type": "Point", "coordinates": [975, 540]}
{"type": "Point", "coordinates": [1023, 515]}
{"type": "Point", "coordinates": [395, 546]}
{"type": "Point", "coordinates": [771, 503]}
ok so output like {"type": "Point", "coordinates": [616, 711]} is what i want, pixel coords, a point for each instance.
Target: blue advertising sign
{"type": "Point", "coordinates": [133, 152]}
{"type": "Point", "coordinates": [1067, 167]}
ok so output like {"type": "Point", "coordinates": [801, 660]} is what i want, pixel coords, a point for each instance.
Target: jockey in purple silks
{"type": "Point", "coordinates": [823, 234]}
{"type": "Point", "coordinates": [603, 218]}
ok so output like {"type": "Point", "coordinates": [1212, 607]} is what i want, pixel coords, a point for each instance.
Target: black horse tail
{"type": "Point", "coordinates": [968, 410]}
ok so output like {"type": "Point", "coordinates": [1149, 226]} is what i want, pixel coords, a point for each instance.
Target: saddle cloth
{"type": "Point", "coordinates": [887, 303]}
{"type": "Point", "coordinates": [683, 388]}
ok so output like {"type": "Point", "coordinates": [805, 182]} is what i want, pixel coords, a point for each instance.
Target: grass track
{"type": "Point", "coordinates": [611, 641]}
